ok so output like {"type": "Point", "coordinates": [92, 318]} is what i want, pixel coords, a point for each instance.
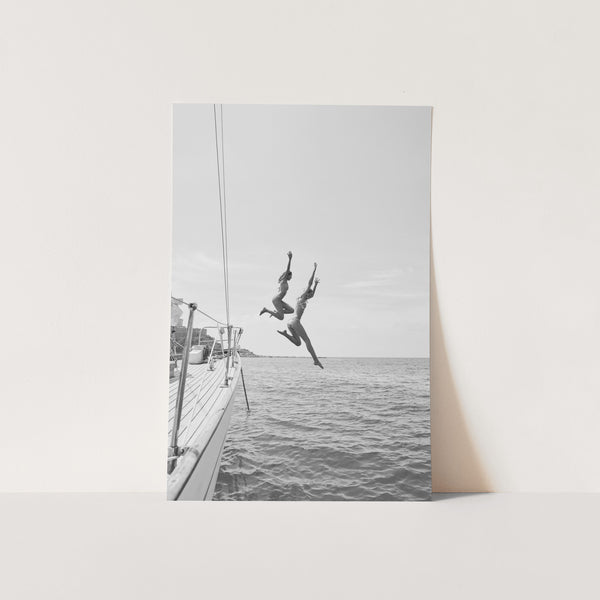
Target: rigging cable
{"type": "Point", "coordinates": [225, 227]}
{"type": "Point", "coordinates": [173, 299]}
{"type": "Point", "coordinates": [222, 209]}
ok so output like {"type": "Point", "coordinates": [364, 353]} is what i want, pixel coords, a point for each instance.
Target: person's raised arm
{"type": "Point", "coordinates": [317, 280]}
{"type": "Point", "coordinates": [284, 275]}
{"type": "Point", "coordinates": [312, 278]}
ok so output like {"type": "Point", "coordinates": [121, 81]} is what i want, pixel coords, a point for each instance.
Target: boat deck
{"type": "Point", "coordinates": [202, 392]}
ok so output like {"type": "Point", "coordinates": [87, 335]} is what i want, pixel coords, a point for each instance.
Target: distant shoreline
{"type": "Point", "coordinates": [309, 358]}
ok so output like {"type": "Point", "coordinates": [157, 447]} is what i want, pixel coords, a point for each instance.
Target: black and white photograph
{"type": "Point", "coordinates": [299, 334]}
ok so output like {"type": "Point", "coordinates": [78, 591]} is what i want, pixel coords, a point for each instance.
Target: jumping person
{"type": "Point", "coordinates": [298, 333]}
{"type": "Point", "coordinates": [282, 308]}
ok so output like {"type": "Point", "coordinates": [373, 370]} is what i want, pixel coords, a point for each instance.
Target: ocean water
{"type": "Point", "coordinates": [357, 430]}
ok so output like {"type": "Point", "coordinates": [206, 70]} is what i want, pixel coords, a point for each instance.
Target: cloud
{"type": "Point", "coordinates": [196, 260]}
{"type": "Point", "coordinates": [386, 287]}
{"type": "Point", "coordinates": [364, 284]}
{"type": "Point", "coordinates": [379, 279]}
{"type": "Point", "coordinates": [192, 267]}
{"type": "Point", "coordinates": [189, 267]}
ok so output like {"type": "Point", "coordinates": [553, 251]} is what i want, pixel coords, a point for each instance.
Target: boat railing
{"type": "Point", "coordinates": [231, 356]}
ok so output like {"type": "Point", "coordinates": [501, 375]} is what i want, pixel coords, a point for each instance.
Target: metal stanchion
{"type": "Point", "coordinates": [173, 448]}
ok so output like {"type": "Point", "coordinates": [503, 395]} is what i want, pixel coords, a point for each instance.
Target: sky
{"type": "Point", "coordinates": [344, 186]}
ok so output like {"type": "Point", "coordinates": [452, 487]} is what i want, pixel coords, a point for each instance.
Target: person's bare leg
{"type": "Point", "coordinates": [301, 332]}
{"type": "Point", "coordinates": [286, 335]}
{"type": "Point", "coordinates": [277, 315]}
{"type": "Point", "coordinates": [310, 348]}
{"type": "Point", "coordinates": [293, 338]}
{"type": "Point", "coordinates": [279, 305]}
{"type": "Point", "coordinates": [279, 312]}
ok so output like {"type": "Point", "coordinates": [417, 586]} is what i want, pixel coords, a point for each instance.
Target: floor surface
{"type": "Point", "coordinates": [130, 546]}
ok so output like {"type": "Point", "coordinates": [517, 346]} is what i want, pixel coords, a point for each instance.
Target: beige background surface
{"type": "Point", "coordinates": [139, 547]}
{"type": "Point", "coordinates": [85, 232]}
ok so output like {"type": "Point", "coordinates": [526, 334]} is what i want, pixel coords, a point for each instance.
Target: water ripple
{"type": "Point", "coordinates": [359, 430]}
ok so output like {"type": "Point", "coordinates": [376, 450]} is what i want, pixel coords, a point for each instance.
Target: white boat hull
{"type": "Point", "coordinates": [205, 422]}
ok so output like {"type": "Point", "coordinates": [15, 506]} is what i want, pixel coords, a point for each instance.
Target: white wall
{"type": "Point", "coordinates": [85, 159]}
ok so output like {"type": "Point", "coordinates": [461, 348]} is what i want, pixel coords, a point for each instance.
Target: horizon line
{"type": "Point", "coordinates": [308, 357]}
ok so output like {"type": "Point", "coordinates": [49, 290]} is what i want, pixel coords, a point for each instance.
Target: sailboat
{"type": "Point", "coordinates": [201, 395]}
